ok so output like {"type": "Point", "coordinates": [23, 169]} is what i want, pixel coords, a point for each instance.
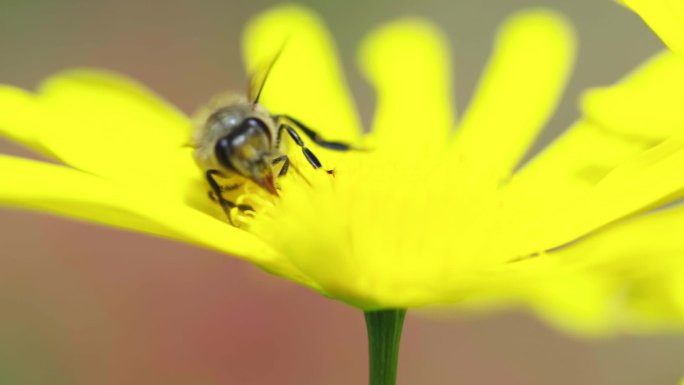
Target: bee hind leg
{"type": "Point", "coordinates": [313, 135]}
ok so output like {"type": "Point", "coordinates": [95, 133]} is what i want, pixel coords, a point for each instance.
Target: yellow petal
{"type": "Point", "coordinates": [571, 166]}
{"type": "Point", "coordinates": [623, 121]}
{"type": "Point", "coordinates": [646, 104]}
{"type": "Point", "coordinates": [648, 180]}
{"type": "Point", "coordinates": [651, 179]}
{"type": "Point", "coordinates": [560, 175]}
{"type": "Point", "coordinates": [643, 260]}
{"type": "Point", "coordinates": [578, 303]}
{"type": "Point", "coordinates": [99, 122]}
{"type": "Point", "coordinates": [665, 17]}
{"type": "Point", "coordinates": [23, 118]}
{"type": "Point", "coordinates": [625, 277]}
{"type": "Point", "coordinates": [70, 193]}
{"type": "Point", "coordinates": [306, 81]}
{"type": "Point", "coordinates": [408, 63]}
{"type": "Point", "coordinates": [519, 90]}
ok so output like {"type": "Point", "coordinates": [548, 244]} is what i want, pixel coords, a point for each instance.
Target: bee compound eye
{"type": "Point", "coordinates": [222, 150]}
{"type": "Point", "coordinates": [255, 123]}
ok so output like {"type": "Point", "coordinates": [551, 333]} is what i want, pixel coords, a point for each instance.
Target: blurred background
{"type": "Point", "coordinates": [81, 304]}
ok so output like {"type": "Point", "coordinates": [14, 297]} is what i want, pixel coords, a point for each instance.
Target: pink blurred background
{"type": "Point", "coordinates": [81, 304]}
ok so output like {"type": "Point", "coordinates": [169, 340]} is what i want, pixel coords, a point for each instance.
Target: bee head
{"type": "Point", "coordinates": [247, 150]}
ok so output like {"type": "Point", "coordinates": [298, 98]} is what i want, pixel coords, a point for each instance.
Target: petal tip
{"type": "Point", "coordinates": [407, 37]}
{"type": "Point", "coordinates": [276, 25]}
{"type": "Point", "coordinates": [544, 22]}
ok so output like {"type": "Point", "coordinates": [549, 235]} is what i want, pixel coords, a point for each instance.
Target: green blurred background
{"type": "Point", "coordinates": [81, 304]}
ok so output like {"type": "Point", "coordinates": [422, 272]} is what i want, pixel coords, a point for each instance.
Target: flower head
{"type": "Point", "coordinates": [419, 214]}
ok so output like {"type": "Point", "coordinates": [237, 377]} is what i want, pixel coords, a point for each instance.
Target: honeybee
{"type": "Point", "coordinates": [237, 136]}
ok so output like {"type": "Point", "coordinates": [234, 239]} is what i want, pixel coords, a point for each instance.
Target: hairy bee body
{"type": "Point", "coordinates": [236, 136]}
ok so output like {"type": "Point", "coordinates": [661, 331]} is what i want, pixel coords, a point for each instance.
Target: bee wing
{"type": "Point", "coordinates": [257, 79]}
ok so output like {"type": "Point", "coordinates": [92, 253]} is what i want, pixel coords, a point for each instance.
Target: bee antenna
{"type": "Point", "coordinates": [260, 88]}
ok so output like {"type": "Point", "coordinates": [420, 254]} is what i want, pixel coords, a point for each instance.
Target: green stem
{"type": "Point", "coordinates": [384, 333]}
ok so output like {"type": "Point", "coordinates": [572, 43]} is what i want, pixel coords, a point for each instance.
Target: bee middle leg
{"type": "Point", "coordinates": [310, 157]}
{"type": "Point", "coordinates": [286, 166]}
{"type": "Point", "coordinates": [217, 189]}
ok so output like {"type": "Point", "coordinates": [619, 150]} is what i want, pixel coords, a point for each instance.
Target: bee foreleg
{"type": "Point", "coordinates": [230, 187]}
{"type": "Point", "coordinates": [217, 189]}
{"type": "Point", "coordinates": [212, 196]}
{"type": "Point", "coordinates": [313, 135]}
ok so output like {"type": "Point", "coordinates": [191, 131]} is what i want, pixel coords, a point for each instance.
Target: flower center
{"type": "Point", "coordinates": [380, 221]}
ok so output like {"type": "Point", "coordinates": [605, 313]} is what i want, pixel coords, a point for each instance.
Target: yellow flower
{"type": "Point", "coordinates": [421, 216]}
{"type": "Point", "coordinates": [665, 17]}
